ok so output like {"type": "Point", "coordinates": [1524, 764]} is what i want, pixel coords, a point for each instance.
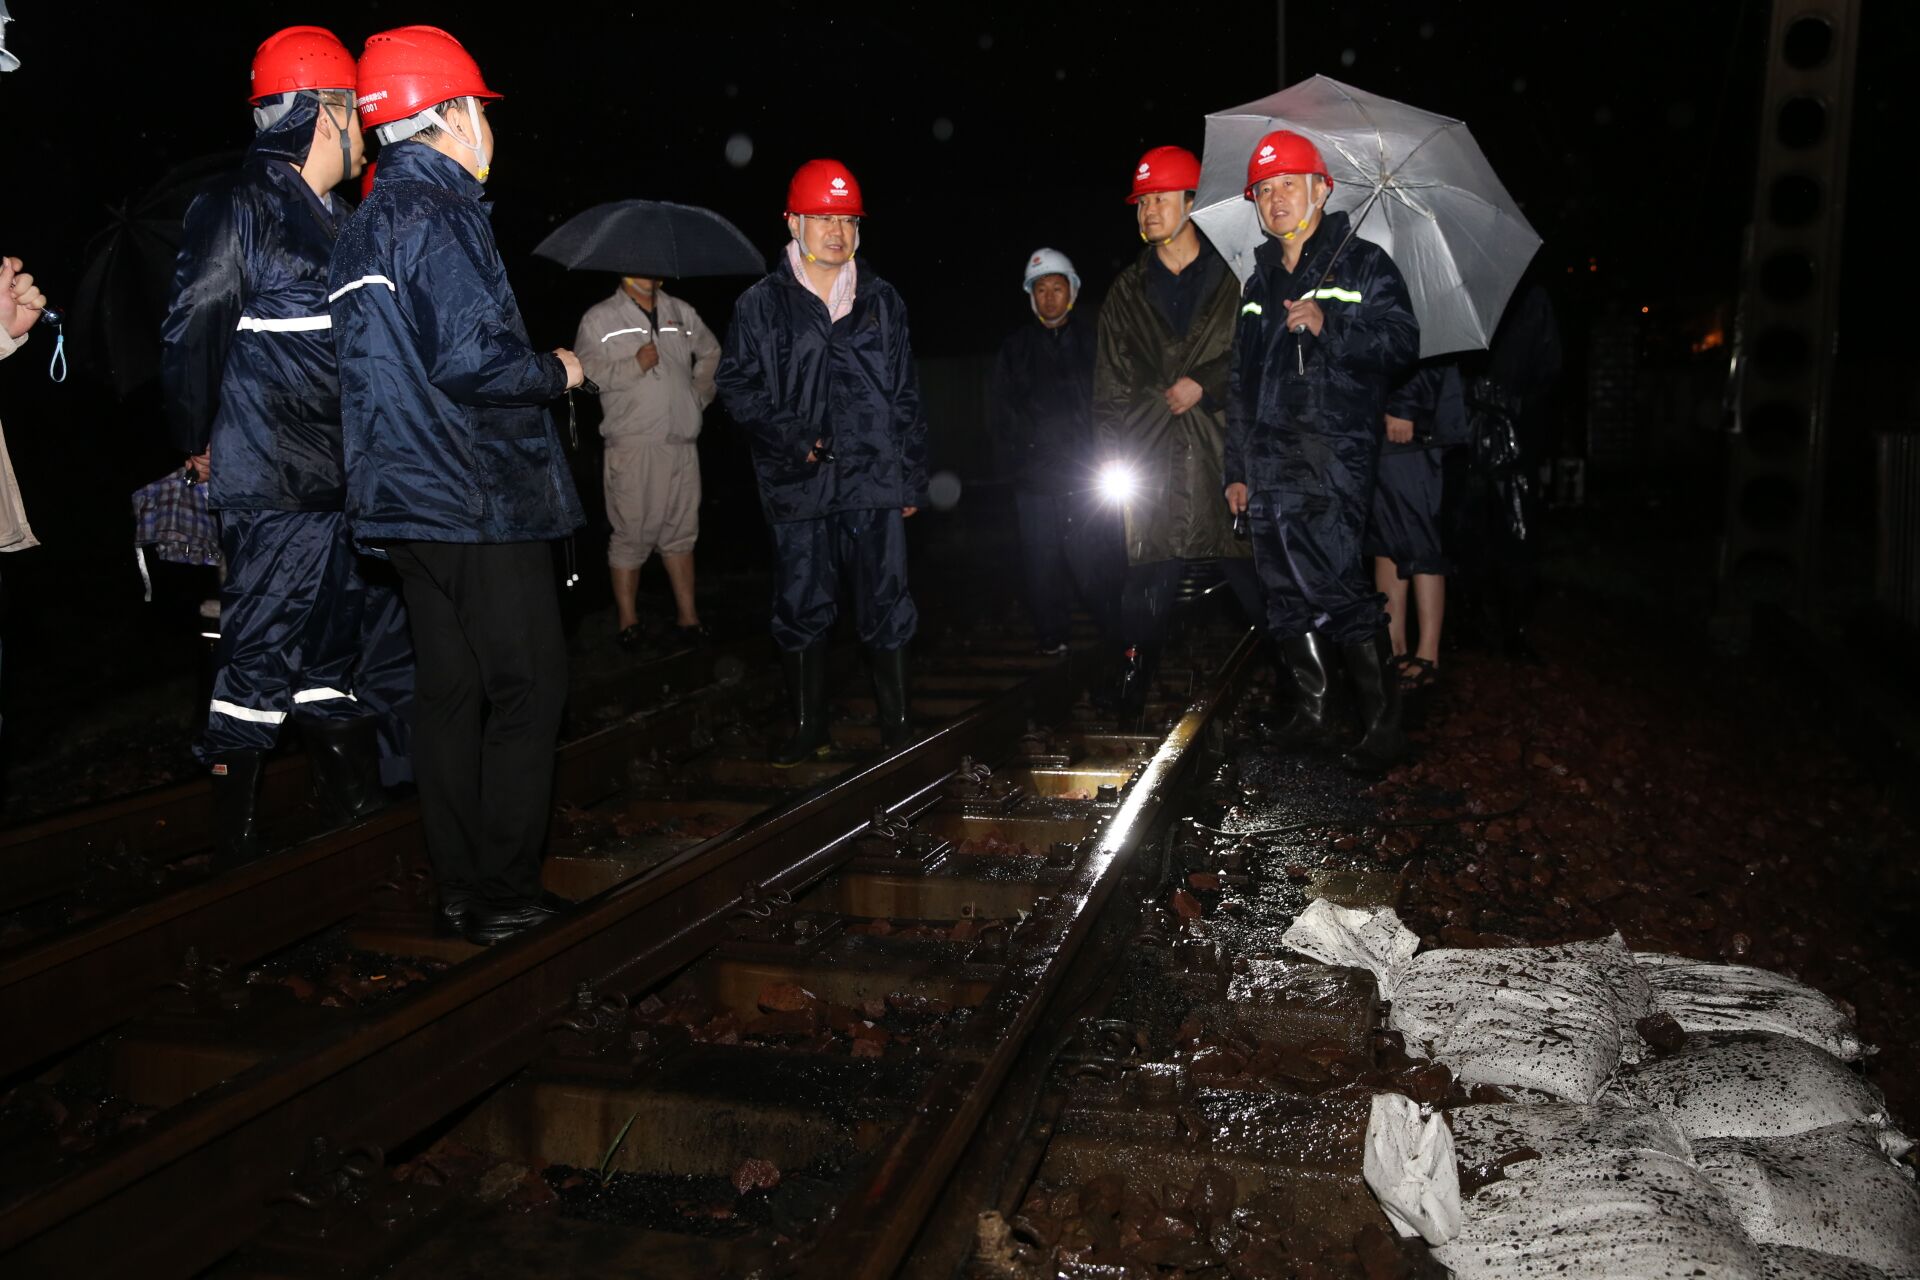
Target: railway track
{"type": "Point", "coordinates": [990, 879]}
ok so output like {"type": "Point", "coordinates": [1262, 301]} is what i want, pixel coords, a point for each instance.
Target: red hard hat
{"type": "Point", "coordinates": [1283, 151]}
{"type": "Point", "coordinates": [824, 187]}
{"type": "Point", "coordinates": [408, 69]}
{"type": "Point", "coordinates": [300, 58]}
{"type": "Point", "coordinates": [1165, 169]}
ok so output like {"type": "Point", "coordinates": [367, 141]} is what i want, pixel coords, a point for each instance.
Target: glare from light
{"type": "Point", "coordinates": [1117, 482]}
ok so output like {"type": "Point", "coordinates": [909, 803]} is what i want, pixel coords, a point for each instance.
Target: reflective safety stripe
{"type": "Point", "coordinates": [320, 695]}
{"type": "Point", "coordinates": [352, 285]}
{"type": "Point", "coordinates": [293, 324]}
{"type": "Point", "coordinates": [1335, 295]}
{"type": "Point", "coordinates": [1252, 309]}
{"type": "Point", "coordinates": [239, 712]}
{"type": "Point", "coordinates": [617, 332]}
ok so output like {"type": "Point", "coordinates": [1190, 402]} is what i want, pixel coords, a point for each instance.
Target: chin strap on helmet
{"type": "Point", "coordinates": [1186, 216]}
{"type": "Point", "coordinates": [396, 130]}
{"type": "Point", "coordinates": [1302, 224]}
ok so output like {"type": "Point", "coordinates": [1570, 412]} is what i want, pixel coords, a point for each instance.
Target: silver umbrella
{"type": "Point", "coordinates": [1413, 182]}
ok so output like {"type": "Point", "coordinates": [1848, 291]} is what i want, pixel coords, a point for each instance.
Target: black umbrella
{"type": "Point", "coordinates": [115, 313]}
{"type": "Point", "coordinates": [652, 238]}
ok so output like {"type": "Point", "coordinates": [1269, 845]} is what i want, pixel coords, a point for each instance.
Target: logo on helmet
{"type": "Point", "coordinates": [1266, 152]}
{"type": "Point", "coordinates": [839, 185]}
{"type": "Point", "coordinates": [1143, 170]}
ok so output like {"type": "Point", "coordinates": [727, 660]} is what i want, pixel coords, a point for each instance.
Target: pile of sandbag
{"type": "Point", "coordinates": [1746, 1146]}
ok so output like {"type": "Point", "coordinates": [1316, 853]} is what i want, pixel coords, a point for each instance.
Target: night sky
{"type": "Point", "coordinates": [978, 132]}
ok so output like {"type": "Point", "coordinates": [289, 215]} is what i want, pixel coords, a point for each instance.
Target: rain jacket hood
{"type": "Point", "coordinates": [789, 375]}
{"type": "Point", "coordinates": [1301, 408]}
{"type": "Point", "coordinates": [291, 136]}
{"type": "Point", "coordinates": [247, 362]}
{"type": "Point", "coordinates": [1176, 510]}
{"type": "Point", "coordinates": [447, 437]}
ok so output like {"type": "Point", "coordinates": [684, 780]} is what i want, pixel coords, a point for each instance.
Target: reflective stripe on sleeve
{"type": "Point", "coordinates": [350, 286]}
{"type": "Point", "coordinates": [1252, 309]}
{"type": "Point", "coordinates": [238, 712]}
{"type": "Point", "coordinates": [1334, 295]}
{"type": "Point", "coordinates": [292, 324]}
{"type": "Point", "coordinates": [320, 695]}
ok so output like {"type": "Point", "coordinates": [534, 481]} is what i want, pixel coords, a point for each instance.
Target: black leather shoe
{"type": "Point", "coordinates": [491, 922]}
{"type": "Point", "coordinates": [450, 915]}
{"type": "Point", "coordinates": [693, 636]}
{"type": "Point", "coordinates": [631, 639]}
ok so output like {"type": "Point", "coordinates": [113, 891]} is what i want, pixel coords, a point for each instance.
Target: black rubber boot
{"type": "Point", "coordinates": [806, 674]}
{"type": "Point", "coordinates": [1371, 664]}
{"type": "Point", "coordinates": [890, 696]}
{"type": "Point", "coordinates": [1305, 659]}
{"type": "Point", "coordinates": [343, 759]}
{"type": "Point", "coordinates": [236, 795]}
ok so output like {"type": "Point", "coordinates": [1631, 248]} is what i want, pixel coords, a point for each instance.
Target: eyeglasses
{"type": "Point", "coordinates": [836, 221]}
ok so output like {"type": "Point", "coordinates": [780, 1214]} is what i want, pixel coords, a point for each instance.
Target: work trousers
{"type": "Point", "coordinates": [1147, 600]}
{"type": "Point", "coordinates": [1067, 544]}
{"type": "Point", "coordinates": [290, 616]}
{"type": "Point", "coordinates": [868, 550]}
{"type": "Point", "coordinates": [1307, 549]}
{"type": "Point", "coordinates": [491, 686]}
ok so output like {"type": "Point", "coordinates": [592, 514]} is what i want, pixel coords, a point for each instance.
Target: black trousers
{"type": "Point", "coordinates": [1067, 544]}
{"type": "Point", "coordinates": [1146, 601]}
{"type": "Point", "coordinates": [491, 684]}
{"type": "Point", "coordinates": [868, 550]}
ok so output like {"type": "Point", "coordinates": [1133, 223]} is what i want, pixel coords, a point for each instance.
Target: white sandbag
{"type": "Point", "coordinates": [1784, 1262]}
{"type": "Point", "coordinates": [1750, 1084]}
{"type": "Point", "coordinates": [1738, 997]}
{"type": "Point", "coordinates": [1409, 1166]}
{"type": "Point", "coordinates": [1829, 1189]}
{"type": "Point", "coordinates": [1483, 1136]}
{"type": "Point", "coordinates": [1353, 938]}
{"type": "Point", "coordinates": [1599, 1216]}
{"type": "Point", "coordinates": [1546, 1019]}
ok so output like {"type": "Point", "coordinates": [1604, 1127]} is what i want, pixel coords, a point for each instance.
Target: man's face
{"type": "Point", "coordinates": [337, 115]}
{"type": "Point", "coordinates": [828, 238]}
{"type": "Point", "coordinates": [1288, 199]}
{"type": "Point", "coordinates": [1160, 213]}
{"type": "Point", "coordinates": [1052, 295]}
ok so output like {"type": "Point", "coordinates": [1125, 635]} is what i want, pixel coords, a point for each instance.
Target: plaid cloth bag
{"type": "Point", "coordinates": [170, 515]}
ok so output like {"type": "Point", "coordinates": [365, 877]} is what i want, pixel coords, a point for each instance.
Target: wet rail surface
{"type": "Point", "coordinates": [240, 1090]}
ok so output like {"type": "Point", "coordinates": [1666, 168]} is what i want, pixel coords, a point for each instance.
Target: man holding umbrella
{"type": "Point", "coordinates": [252, 391]}
{"type": "Point", "coordinates": [455, 471]}
{"type": "Point", "coordinates": [1326, 330]}
{"type": "Point", "coordinates": [654, 360]}
{"type": "Point", "coordinates": [818, 370]}
{"type": "Point", "coordinates": [1159, 385]}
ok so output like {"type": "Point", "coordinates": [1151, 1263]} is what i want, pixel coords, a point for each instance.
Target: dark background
{"type": "Point", "coordinates": [1625, 130]}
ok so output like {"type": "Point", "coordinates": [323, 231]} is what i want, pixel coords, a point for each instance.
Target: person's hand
{"type": "Point", "coordinates": [648, 356]}
{"type": "Point", "coordinates": [1306, 311]}
{"type": "Point", "coordinates": [571, 363]}
{"type": "Point", "coordinates": [1399, 430]}
{"type": "Point", "coordinates": [906, 513]}
{"type": "Point", "coordinates": [1236, 498]}
{"type": "Point", "coordinates": [202, 464]}
{"type": "Point", "coordinates": [813, 456]}
{"type": "Point", "coordinates": [1183, 395]}
{"type": "Point", "coordinates": [21, 301]}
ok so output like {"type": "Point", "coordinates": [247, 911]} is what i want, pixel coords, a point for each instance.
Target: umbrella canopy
{"type": "Point", "coordinates": [1415, 183]}
{"type": "Point", "coordinates": [117, 308]}
{"type": "Point", "coordinates": [652, 238]}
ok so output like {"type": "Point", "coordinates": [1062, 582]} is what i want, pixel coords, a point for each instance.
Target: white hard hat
{"type": "Point", "coordinates": [1050, 262]}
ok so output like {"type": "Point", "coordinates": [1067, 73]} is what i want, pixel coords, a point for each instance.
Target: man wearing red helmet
{"type": "Point", "coordinates": [252, 393]}
{"type": "Point", "coordinates": [1159, 385]}
{"type": "Point", "coordinates": [455, 471]}
{"type": "Point", "coordinates": [818, 369]}
{"type": "Point", "coordinates": [1326, 331]}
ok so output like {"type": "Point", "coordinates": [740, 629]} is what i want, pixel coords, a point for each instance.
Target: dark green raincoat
{"type": "Point", "coordinates": [1176, 510]}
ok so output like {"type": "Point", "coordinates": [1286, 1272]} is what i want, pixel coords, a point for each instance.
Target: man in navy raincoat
{"type": "Point", "coordinates": [455, 471]}
{"type": "Point", "coordinates": [1326, 330]}
{"type": "Point", "coordinates": [818, 370]}
{"type": "Point", "coordinates": [252, 393]}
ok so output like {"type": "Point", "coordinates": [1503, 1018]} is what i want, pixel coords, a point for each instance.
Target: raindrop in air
{"type": "Point", "coordinates": [942, 129]}
{"type": "Point", "coordinates": [1426, 31]}
{"type": "Point", "coordinates": [1519, 84]}
{"type": "Point", "coordinates": [986, 41]}
{"type": "Point", "coordinates": [1348, 57]}
{"type": "Point", "coordinates": [1059, 73]}
{"type": "Point", "coordinates": [739, 150]}
{"type": "Point", "coordinates": [943, 491]}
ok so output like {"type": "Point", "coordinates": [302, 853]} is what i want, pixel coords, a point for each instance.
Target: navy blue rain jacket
{"type": "Point", "coordinates": [1041, 405]}
{"type": "Point", "coordinates": [247, 359]}
{"type": "Point", "coordinates": [443, 400]}
{"type": "Point", "coordinates": [1293, 430]}
{"type": "Point", "coordinates": [790, 375]}
{"type": "Point", "coordinates": [1433, 398]}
